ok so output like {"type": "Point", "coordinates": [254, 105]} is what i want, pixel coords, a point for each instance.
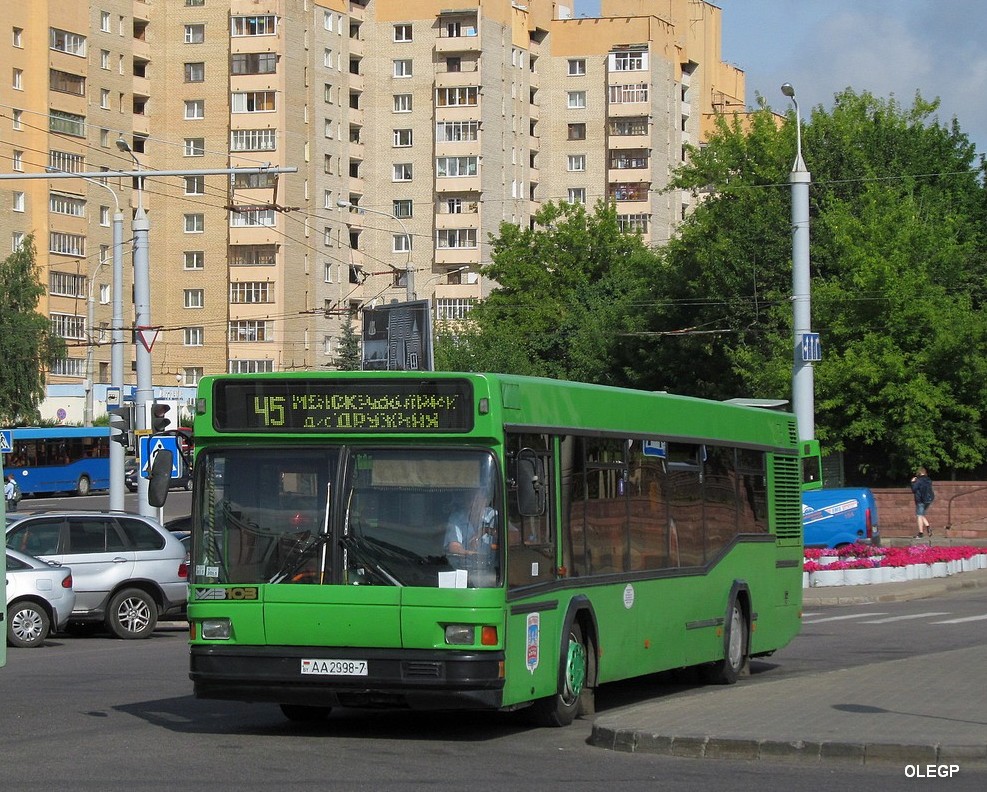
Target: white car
{"type": "Point", "coordinates": [40, 599]}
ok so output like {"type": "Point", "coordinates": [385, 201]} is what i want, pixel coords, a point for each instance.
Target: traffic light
{"type": "Point", "coordinates": [158, 420]}
{"type": "Point", "coordinates": [120, 425]}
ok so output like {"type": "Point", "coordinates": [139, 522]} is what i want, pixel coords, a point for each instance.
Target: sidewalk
{"type": "Point", "coordinates": [856, 715]}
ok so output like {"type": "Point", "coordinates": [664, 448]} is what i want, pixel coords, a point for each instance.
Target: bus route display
{"type": "Point", "coordinates": [333, 405]}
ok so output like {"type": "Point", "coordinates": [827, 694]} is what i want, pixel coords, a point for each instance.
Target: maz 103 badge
{"type": "Point", "coordinates": [237, 593]}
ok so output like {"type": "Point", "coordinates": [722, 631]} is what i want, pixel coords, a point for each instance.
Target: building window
{"type": "Point", "coordinates": [402, 172]}
{"type": "Point", "coordinates": [254, 181]}
{"type": "Point", "coordinates": [249, 292]}
{"type": "Point", "coordinates": [402, 67]}
{"type": "Point", "coordinates": [400, 243]}
{"type": "Point", "coordinates": [250, 366]}
{"type": "Point", "coordinates": [577, 195]}
{"type": "Point", "coordinates": [254, 63]}
{"type": "Point", "coordinates": [456, 131]}
{"type": "Point", "coordinates": [68, 326]}
{"type": "Point", "coordinates": [195, 109]}
{"type": "Point", "coordinates": [63, 41]}
{"type": "Point", "coordinates": [622, 159]}
{"type": "Point", "coordinates": [72, 205]}
{"type": "Point", "coordinates": [403, 208]}
{"type": "Point", "coordinates": [628, 94]}
{"type": "Point", "coordinates": [446, 167]}
{"type": "Point", "coordinates": [253, 102]}
{"type": "Point", "coordinates": [402, 103]}
{"type": "Point", "coordinates": [194, 259]}
{"type": "Point", "coordinates": [576, 100]}
{"type": "Point", "coordinates": [254, 26]}
{"type": "Point", "coordinates": [67, 123]}
{"type": "Point", "coordinates": [195, 34]}
{"type": "Point", "coordinates": [15, 119]}
{"type": "Point", "coordinates": [253, 255]}
{"type": "Point", "coordinates": [194, 298]}
{"type": "Point", "coordinates": [195, 72]}
{"type": "Point", "coordinates": [104, 216]}
{"type": "Point", "coordinates": [327, 271]}
{"type": "Point", "coordinates": [66, 284]}
{"type": "Point", "coordinates": [67, 244]}
{"type": "Point", "coordinates": [466, 96]}
{"type": "Point", "coordinates": [104, 21]}
{"type": "Point", "coordinates": [18, 37]}
{"type": "Point", "coordinates": [453, 308]}
{"type": "Point", "coordinates": [195, 185]}
{"type": "Point", "coordinates": [577, 67]}
{"type": "Point", "coordinates": [248, 217]}
{"type": "Point", "coordinates": [17, 160]}
{"type": "Point", "coordinates": [191, 375]}
{"type": "Point", "coordinates": [194, 223]}
{"type": "Point", "coordinates": [576, 162]}
{"type": "Point", "coordinates": [251, 330]}
{"type": "Point", "coordinates": [456, 238]}
{"type": "Point", "coordinates": [628, 61]}
{"type": "Point", "coordinates": [253, 140]}
{"type": "Point", "coordinates": [402, 33]}
{"type": "Point", "coordinates": [633, 223]}
{"type": "Point", "coordinates": [624, 127]}
{"type": "Point", "coordinates": [104, 98]}
{"type": "Point", "coordinates": [18, 204]}
{"type": "Point", "coordinates": [194, 336]}
{"type": "Point", "coordinates": [195, 147]}
{"type": "Point", "coordinates": [402, 138]}
{"type": "Point", "coordinates": [576, 131]}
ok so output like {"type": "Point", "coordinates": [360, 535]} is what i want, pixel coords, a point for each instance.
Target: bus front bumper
{"type": "Point", "coordinates": [413, 679]}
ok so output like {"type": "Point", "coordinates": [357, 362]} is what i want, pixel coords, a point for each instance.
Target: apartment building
{"type": "Point", "coordinates": [414, 129]}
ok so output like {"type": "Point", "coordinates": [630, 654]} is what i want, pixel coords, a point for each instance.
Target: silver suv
{"type": "Point", "coordinates": [127, 570]}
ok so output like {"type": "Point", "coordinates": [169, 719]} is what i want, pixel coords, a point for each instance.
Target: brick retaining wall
{"type": "Point", "coordinates": [959, 504]}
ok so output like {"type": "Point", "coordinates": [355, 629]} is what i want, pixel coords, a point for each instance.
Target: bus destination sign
{"type": "Point", "coordinates": [333, 405]}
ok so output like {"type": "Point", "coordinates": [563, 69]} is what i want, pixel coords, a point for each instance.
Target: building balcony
{"type": "Point", "coordinates": [458, 184]}
{"type": "Point", "coordinates": [464, 219]}
{"type": "Point", "coordinates": [451, 44]}
{"type": "Point", "coordinates": [255, 235]}
{"type": "Point", "coordinates": [625, 142]}
{"type": "Point", "coordinates": [448, 79]}
{"type": "Point", "coordinates": [454, 257]}
{"type": "Point", "coordinates": [254, 82]}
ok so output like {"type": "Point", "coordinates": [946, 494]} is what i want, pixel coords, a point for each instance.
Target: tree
{"type": "Point", "coordinates": [898, 281]}
{"type": "Point", "coordinates": [566, 304]}
{"type": "Point", "coordinates": [349, 358]}
{"type": "Point", "coordinates": [29, 347]}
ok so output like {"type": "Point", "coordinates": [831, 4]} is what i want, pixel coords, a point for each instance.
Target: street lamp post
{"type": "Point", "coordinates": [409, 272]}
{"type": "Point", "coordinates": [116, 342]}
{"type": "Point", "coordinates": [142, 307]}
{"type": "Point", "coordinates": [805, 344]}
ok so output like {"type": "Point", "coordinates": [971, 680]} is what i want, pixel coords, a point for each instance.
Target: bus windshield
{"type": "Point", "coordinates": [356, 516]}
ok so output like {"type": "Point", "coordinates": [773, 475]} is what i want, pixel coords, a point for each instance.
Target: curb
{"type": "Point", "coordinates": [892, 592]}
{"type": "Point", "coordinates": [795, 751]}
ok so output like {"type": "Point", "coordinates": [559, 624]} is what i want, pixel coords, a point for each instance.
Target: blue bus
{"type": "Point", "coordinates": [59, 459]}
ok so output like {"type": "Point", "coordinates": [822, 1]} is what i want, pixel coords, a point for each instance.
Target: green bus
{"type": "Point", "coordinates": [612, 533]}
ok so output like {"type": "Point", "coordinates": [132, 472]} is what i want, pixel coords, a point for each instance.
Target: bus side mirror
{"type": "Point", "coordinates": [530, 484]}
{"type": "Point", "coordinates": [159, 480]}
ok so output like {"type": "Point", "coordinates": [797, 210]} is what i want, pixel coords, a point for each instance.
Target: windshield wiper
{"type": "Point", "coordinates": [298, 556]}
{"type": "Point", "coordinates": [352, 545]}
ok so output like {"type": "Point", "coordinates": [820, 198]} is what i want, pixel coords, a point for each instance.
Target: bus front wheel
{"type": "Point", "coordinates": [736, 648]}
{"type": "Point", "coordinates": [83, 485]}
{"type": "Point", "coordinates": [562, 708]}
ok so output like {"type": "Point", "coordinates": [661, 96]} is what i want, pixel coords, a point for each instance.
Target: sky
{"type": "Point", "coordinates": [887, 47]}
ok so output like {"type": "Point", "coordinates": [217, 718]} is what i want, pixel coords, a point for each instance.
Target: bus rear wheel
{"type": "Point", "coordinates": [736, 650]}
{"type": "Point", "coordinates": [562, 708]}
{"type": "Point", "coordinates": [303, 713]}
{"type": "Point", "coordinates": [83, 485]}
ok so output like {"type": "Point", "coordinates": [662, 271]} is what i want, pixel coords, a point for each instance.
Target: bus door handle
{"type": "Point", "coordinates": [119, 560]}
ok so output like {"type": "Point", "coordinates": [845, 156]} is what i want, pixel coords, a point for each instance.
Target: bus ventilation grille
{"type": "Point", "coordinates": [793, 432]}
{"type": "Point", "coordinates": [421, 670]}
{"type": "Point", "coordinates": [788, 498]}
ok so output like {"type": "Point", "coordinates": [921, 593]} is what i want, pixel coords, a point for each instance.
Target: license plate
{"type": "Point", "coordinates": [334, 667]}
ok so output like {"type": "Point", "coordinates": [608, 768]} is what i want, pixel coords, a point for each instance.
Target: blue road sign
{"type": "Point", "coordinates": [811, 348]}
{"type": "Point", "coordinates": [150, 445]}
{"type": "Point", "coordinates": [655, 448]}
{"type": "Point", "coordinates": [6, 441]}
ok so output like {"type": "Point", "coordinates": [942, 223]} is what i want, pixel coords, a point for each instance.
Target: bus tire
{"type": "Point", "coordinates": [562, 708]}
{"type": "Point", "coordinates": [83, 486]}
{"type": "Point", "coordinates": [303, 713]}
{"type": "Point", "coordinates": [27, 625]}
{"type": "Point", "coordinates": [736, 649]}
{"type": "Point", "coordinates": [132, 613]}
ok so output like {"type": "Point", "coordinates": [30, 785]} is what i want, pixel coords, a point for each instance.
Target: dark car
{"type": "Point", "coordinates": [130, 475]}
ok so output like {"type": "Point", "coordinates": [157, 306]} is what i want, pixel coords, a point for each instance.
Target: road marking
{"type": "Point", "coordinates": [844, 618]}
{"type": "Point", "coordinates": [961, 621]}
{"type": "Point", "coordinates": [904, 618]}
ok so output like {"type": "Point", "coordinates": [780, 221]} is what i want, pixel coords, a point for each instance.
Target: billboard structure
{"type": "Point", "coordinates": [398, 337]}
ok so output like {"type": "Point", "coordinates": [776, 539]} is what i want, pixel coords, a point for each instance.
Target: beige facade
{"type": "Point", "coordinates": [434, 124]}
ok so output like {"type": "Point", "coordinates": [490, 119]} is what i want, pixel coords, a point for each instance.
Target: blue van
{"type": "Point", "coordinates": [834, 517]}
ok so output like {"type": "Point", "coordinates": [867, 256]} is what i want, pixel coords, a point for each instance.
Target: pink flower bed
{"type": "Point", "coordinates": [860, 556]}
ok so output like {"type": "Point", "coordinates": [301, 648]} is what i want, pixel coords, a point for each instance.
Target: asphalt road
{"type": "Point", "coordinates": [97, 713]}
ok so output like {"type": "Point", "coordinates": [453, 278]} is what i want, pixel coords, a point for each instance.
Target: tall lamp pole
{"type": "Point", "coordinates": [806, 343]}
{"type": "Point", "coordinates": [142, 306]}
{"type": "Point", "coordinates": [116, 346]}
{"type": "Point", "coordinates": [408, 270]}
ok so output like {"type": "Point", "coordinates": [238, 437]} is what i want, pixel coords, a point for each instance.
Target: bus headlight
{"type": "Point", "coordinates": [460, 634]}
{"type": "Point", "coordinates": [216, 629]}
